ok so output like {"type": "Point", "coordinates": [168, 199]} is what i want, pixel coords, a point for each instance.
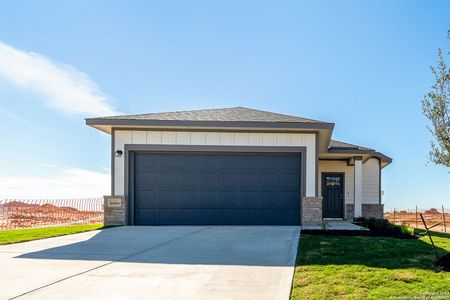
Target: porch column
{"type": "Point", "coordinates": [358, 187]}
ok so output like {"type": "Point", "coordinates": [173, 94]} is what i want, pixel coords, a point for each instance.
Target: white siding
{"type": "Point", "coordinates": [122, 138]}
{"type": "Point", "coordinates": [139, 137]}
{"type": "Point", "coordinates": [358, 187]}
{"type": "Point", "coordinates": [371, 182]}
{"type": "Point", "coordinates": [339, 166]}
{"type": "Point", "coordinates": [307, 140]}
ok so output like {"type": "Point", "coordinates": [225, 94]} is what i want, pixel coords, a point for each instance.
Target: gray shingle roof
{"type": "Point", "coordinates": [341, 147]}
{"type": "Point", "coordinates": [233, 114]}
{"type": "Point", "coordinates": [347, 146]}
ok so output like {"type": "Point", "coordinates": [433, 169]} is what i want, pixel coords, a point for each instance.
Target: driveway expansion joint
{"type": "Point", "coordinates": [109, 263]}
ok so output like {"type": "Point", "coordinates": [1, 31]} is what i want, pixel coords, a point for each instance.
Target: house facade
{"type": "Point", "coordinates": [236, 166]}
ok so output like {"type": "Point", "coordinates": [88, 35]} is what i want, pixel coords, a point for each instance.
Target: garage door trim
{"type": "Point", "coordinates": [131, 149]}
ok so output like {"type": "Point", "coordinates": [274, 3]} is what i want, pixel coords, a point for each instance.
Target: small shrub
{"type": "Point", "coordinates": [382, 227]}
{"type": "Point", "coordinates": [406, 229]}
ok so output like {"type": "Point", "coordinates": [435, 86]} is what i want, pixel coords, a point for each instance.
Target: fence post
{"type": "Point", "coordinates": [443, 216]}
{"type": "Point", "coordinates": [2, 215]}
{"type": "Point", "coordinates": [428, 232]}
{"type": "Point", "coordinates": [416, 217]}
{"type": "Point", "coordinates": [394, 215]}
{"type": "Point", "coordinates": [15, 212]}
{"type": "Point", "coordinates": [20, 216]}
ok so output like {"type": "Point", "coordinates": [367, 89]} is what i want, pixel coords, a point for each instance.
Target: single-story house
{"type": "Point", "coordinates": [236, 166]}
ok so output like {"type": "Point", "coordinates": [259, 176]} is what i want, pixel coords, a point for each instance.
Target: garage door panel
{"type": "Point", "coordinates": [166, 199]}
{"type": "Point", "coordinates": [145, 215]}
{"type": "Point", "coordinates": [206, 199]}
{"type": "Point", "coordinates": [226, 162]}
{"type": "Point", "coordinates": [185, 217]}
{"type": "Point", "coordinates": [226, 179]}
{"type": "Point", "coordinates": [207, 163]}
{"type": "Point", "coordinates": [187, 180]}
{"type": "Point", "coordinates": [248, 180]}
{"type": "Point", "coordinates": [187, 199]}
{"type": "Point", "coordinates": [144, 199]}
{"type": "Point", "coordinates": [230, 217]}
{"type": "Point", "coordinates": [288, 181]}
{"type": "Point", "coordinates": [206, 180]}
{"type": "Point", "coordinates": [166, 180]}
{"type": "Point", "coordinates": [248, 200]}
{"type": "Point", "coordinates": [286, 200]}
{"type": "Point", "coordinates": [268, 181]}
{"type": "Point", "coordinates": [213, 189]}
{"type": "Point", "coordinates": [250, 162]}
{"type": "Point", "coordinates": [227, 199]}
{"type": "Point", "coordinates": [182, 162]}
{"type": "Point", "coordinates": [157, 199]}
{"type": "Point", "coordinates": [145, 180]}
{"type": "Point", "coordinates": [285, 163]}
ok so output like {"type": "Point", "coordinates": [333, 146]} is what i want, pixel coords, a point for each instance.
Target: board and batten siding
{"type": "Point", "coordinates": [371, 182]}
{"type": "Point", "coordinates": [123, 137]}
{"type": "Point", "coordinates": [370, 179]}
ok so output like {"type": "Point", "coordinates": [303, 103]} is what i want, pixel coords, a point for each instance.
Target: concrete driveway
{"type": "Point", "coordinates": [188, 262]}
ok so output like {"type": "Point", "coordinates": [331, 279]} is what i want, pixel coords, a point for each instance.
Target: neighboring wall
{"type": "Point", "coordinates": [307, 140]}
{"type": "Point", "coordinates": [370, 179]}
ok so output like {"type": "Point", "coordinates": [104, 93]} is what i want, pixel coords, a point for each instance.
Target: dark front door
{"type": "Point", "coordinates": [216, 189]}
{"type": "Point", "coordinates": [333, 195]}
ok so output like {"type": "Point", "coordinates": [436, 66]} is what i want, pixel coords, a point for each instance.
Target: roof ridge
{"type": "Point", "coordinates": [281, 114]}
{"type": "Point", "coordinates": [220, 114]}
{"type": "Point", "coordinates": [172, 112]}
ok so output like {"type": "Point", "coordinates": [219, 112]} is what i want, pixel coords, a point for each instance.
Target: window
{"type": "Point", "coordinates": [332, 181]}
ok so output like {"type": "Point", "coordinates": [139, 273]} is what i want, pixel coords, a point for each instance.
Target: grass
{"type": "Point", "coordinates": [25, 235]}
{"type": "Point", "coordinates": [359, 267]}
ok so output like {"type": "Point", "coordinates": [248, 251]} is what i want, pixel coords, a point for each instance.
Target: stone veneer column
{"type": "Point", "coordinates": [114, 207]}
{"type": "Point", "coordinates": [373, 211]}
{"type": "Point", "coordinates": [312, 211]}
{"type": "Point", "coordinates": [349, 212]}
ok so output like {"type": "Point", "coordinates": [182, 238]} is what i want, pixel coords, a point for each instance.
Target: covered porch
{"type": "Point", "coordinates": [348, 186]}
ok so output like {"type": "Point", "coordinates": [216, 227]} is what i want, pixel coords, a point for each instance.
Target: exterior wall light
{"type": "Point", "coordinates": [119, 153]}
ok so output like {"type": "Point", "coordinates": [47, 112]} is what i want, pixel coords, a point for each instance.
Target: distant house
{"type": "Point", "coordinates": [236, 166]}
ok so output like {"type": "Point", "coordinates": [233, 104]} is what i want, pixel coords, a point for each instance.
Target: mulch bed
{"type": "Point", "coordinates": [354, 233]}
{"type": "Point", "coordinates": [444, 262]}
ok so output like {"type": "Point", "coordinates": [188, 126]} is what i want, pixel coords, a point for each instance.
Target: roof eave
{"type": "Point", "coordinates": [236, 124]}
{"type": "Point", "coordinates": [386, 160]}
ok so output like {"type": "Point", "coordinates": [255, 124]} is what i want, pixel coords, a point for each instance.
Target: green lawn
{"type": "Point", "coordinates": [24, 235]}
{"type": "Point", "coordinates": [357, 267]}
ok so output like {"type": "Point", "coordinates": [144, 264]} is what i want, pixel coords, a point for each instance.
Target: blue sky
{"type": "Point", "coordinates": [363, 65]}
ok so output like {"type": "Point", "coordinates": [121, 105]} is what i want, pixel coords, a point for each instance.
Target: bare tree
{"type": "Point", "coordinates": [436, 107]}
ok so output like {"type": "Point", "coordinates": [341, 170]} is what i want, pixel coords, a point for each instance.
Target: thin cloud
{"type": "Point", "coordinates": [61, 86]}
{"type": "Point", "coordinates": [68, 183]}
{"type": "Point", "coordinates": [46, 165]}
{"type": "Point", "coordinates": [14, 117]}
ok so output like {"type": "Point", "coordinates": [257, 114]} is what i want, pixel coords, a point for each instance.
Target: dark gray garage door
{"type": "Point", "coordinates": [216, 189]}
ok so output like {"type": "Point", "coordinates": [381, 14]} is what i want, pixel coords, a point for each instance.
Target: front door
{"type": "Point", "coordinates": [333, 195]}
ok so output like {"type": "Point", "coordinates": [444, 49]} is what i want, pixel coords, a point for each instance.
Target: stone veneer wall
{"type": "Point", "coordinates": [311, 211]}
{"type": "Point", "coordinates": [349, 212]}
{"type": "Point", "coordinates": [373, 211]}
{"type": "Point", "coordinates": [114, 207]}
{"type": "Point", "coordinates": [368, 211]}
